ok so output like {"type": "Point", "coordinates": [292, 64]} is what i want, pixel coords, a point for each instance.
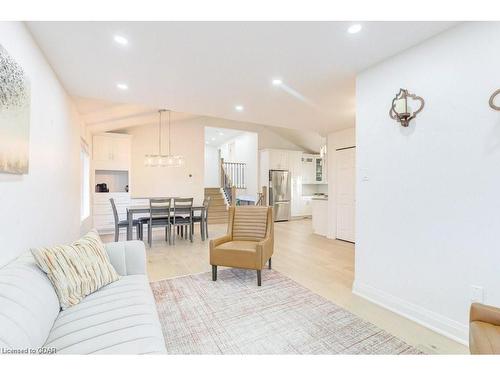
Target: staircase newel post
{"type": "Point", "coordinates": [233, 196]}
{"type": "Point", "coordinates": [221, 167]}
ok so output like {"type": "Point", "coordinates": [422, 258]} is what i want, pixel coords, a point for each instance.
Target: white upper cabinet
{"type": "Point", "coordinates": [111, 151]}
{"type": "Point", "coordinates": [308, 169]}
{"type": "Point", "coordinates": [313, 169]}
{"type": "Point", "coordinates": [278, 159]}
{"type": "Point", "coordinates": [320, 170]}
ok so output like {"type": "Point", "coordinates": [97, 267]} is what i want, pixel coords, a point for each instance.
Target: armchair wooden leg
{"type": "Point", "coordinates": [214, 273]}
{"type": "Point", "coordinates": [259, 278]}
{"type": "Point", "coordinates": [269, 263]}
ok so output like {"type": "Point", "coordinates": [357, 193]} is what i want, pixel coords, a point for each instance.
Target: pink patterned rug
{"type": "Point", "coordinates": [234, 316]}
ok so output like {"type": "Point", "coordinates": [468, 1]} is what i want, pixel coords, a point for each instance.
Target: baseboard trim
{"type": "Point", "coordinates": [429, 319]}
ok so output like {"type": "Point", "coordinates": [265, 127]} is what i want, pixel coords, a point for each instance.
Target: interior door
{"type": "Point", "coordinates": [345, 196]}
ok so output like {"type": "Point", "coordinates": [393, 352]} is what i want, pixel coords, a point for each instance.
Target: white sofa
{"type": "Point", "coordinates": [120, 318]}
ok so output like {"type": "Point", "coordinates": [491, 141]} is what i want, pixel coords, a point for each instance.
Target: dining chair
{"type": "Point", "coordinates": [202, 218]}
{"type": "Point", "coordinates": [159, 216]}
{"type": "Point", "coordinates": [124, 223]}
{"type": "Point", "coordinates": [182, 216]}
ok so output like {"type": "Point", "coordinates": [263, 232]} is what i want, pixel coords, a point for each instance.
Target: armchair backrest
{"type": "Point", "coordinates": [250, 223]}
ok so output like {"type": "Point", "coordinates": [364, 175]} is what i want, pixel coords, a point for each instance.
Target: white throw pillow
{"type": "Point", "coordinates": [76, 270]}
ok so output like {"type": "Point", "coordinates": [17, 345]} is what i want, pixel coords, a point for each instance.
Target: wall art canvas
{"type": "Point", "coordinates": [15, 102]}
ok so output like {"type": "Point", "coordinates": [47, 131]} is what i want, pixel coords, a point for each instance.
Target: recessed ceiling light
{"type": "Point", "coordinates": [277, 82]}
{"type": "Point", "coordinates": [353, 29]}
{"type": "Point", "coordinates": [207, 142]}
{"type": "Point", "coordinates": [212, 139]}
{"type": "Point", "coordinates": [239, 108]}
{"type": "Point", "coordinates": [122, 86]}
{"type": "Point", "coordinates": [120, 40]}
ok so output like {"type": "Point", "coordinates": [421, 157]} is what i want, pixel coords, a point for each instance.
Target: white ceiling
{"type": "Point", "coordinates": [206, 68]}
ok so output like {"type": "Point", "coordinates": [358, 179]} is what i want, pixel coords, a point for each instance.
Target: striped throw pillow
{"type": "Point", "coordinates": [76, 270]}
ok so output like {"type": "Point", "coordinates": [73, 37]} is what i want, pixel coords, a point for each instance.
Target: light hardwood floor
{"type": "Point", "coordinates": [324, 266]}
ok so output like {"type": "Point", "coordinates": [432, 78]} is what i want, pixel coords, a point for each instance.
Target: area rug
{"type": "Point", "coordinates": [235, 316]}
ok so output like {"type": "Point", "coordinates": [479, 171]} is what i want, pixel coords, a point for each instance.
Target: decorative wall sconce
{"type": "Point", "coordinates": [400, 109]}
{"type": "Point", "coordinates": [492, 100]}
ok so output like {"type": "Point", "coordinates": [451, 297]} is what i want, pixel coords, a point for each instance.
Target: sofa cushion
{"type": "Point", "coordinates": [76, 270]}
{"type": "Point", "coordinates": [28, 304]}
{"type": "Point", "coordinates": [250, 223]}
{"type": "Point", "coordinates": [119, 318]}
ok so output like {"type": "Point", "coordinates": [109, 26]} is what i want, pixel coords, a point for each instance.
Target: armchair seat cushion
{"type": "Point", "coordinates": [484, 338]}
{"type": "Point", "coordinates": [241, 254]}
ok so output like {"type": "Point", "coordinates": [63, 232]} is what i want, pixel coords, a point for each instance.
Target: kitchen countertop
{"type": "Point", "coordinates": [319, 198]}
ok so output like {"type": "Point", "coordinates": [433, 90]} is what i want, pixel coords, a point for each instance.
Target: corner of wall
{"type": "Point", "coordinates": [429, 319]}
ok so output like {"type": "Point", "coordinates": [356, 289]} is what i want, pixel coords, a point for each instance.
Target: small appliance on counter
{"type": "Point", "coordinates": [101, 188]}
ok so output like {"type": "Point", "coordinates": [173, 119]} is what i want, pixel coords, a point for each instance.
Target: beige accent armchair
{"type": "Point", "coordinates": [249, 241]}
{"type": "Point", "coordinates": [484, 329]}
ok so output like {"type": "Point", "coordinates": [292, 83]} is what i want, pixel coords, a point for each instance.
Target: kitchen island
{"type": "Point", "coordinates": [320, 214]}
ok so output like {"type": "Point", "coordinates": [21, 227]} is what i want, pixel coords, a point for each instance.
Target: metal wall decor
{"type": "Point", "coordinates": [400, 109]}
{"type": "Point", "coordinates": [492, 100]}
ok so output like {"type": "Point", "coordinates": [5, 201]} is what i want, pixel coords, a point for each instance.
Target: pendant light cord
{"type": "Point", "coordinates": [159, 132]}
{"type": "Point", "coordinates": [169, 137]}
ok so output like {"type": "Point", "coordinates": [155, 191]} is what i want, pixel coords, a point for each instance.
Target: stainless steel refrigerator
{"type": "Point", "coordinates": [279, 194]}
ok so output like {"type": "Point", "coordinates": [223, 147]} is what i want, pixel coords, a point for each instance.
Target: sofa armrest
{"type": "Point", "coordinates": [127, 257]}
{"type": "Point", "coordinates": [485, 313]}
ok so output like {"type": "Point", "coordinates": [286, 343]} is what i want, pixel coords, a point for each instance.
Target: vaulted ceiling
{"type": "Point", "coordinates": [208, 68]}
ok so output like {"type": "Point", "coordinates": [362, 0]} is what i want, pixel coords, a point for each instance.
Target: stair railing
{"type": "Point", "coordinates": [262, 197]}
{"type": "Point", "coordinates": [232, 178]}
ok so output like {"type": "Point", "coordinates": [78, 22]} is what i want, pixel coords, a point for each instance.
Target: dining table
{"type": "Point", "coordinates": [145, 209]}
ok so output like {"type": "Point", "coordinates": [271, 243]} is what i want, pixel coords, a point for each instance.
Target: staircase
{"type": "Point", "coordinates": [217, 210]}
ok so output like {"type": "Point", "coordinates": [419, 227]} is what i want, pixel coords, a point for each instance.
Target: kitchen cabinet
{"type": "Point", "coordinates": [313, 169]}
{"type": "Point", "coordinates": [306, 206]}
{"type": "Point", "coordinates": [278, 159]}
{"type": "Point", "coordinates": [320, 176]}
{"type": "Point", "coordinates": [308, 169]}
{"type": "Point", "coordinates": [272, 159]}
{"type": "Point", "coordinates": [111, 151]}
{"type": "Point", "coordinates": [320, 216]}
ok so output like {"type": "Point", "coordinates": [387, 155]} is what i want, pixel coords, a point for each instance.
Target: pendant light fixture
{"type": "Point", "coordinates": [160, 160]}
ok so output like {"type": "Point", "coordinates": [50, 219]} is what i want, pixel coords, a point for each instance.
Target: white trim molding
{"type": "Point", "coordinates": [429, 319]}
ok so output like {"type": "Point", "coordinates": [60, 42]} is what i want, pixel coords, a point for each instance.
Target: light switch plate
{"type": "Point", "coordinates": [476, 293]}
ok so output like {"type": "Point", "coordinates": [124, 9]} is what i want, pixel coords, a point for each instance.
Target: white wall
{"type": "Point", "coordinates": [245, 151]}
{"type": "Point", "coordinates": [428, 217]}
{"type": "Point", "coordinates": [41, 208]}
{"type": "Point", "coordinates": [267, 138]}
{"type": "Point", "coordinates": [335, 140]}
{"type": "Point", "coordinates": [188, 139]}
{"type": "Point", "coordinates": [212, 170]}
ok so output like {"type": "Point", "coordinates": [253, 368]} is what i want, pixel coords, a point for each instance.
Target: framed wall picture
{"type": "Point", "coordinates": [15, 100]}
